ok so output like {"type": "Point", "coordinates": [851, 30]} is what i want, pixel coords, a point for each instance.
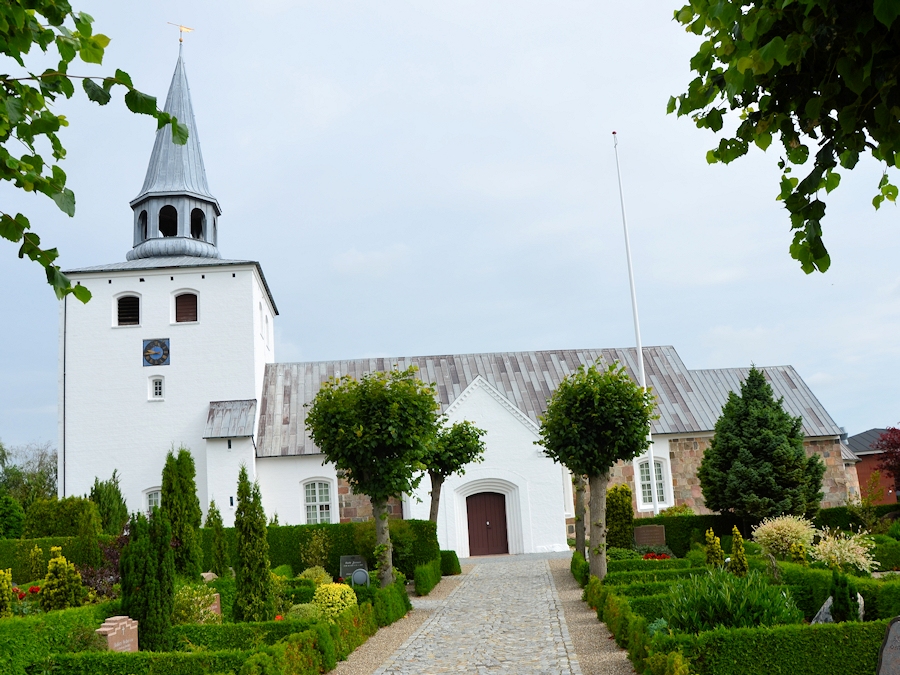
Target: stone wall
{"type": "Point", "coordinates": [839, 481]}
{"type": "Point", "coordinates": [356, 508]}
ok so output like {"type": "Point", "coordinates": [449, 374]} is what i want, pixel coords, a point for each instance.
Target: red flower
{"type": "Point", "coordinates": [656, 556]}
{"type": "Point", "coordinates": [278, 617]}
{"type": "Point", "coordinates": [34, 589]}
{"type": "Point", "coordinates": [21, 595]}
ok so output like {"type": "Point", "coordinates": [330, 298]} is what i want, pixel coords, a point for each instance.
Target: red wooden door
{"type": "Point", "coordinates": [487, 523]}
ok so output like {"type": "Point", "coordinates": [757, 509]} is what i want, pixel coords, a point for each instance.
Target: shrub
{"type": "Point", "coordinates": [580, 569]}
{"type": "Point", "coordinates": [193, 604]}
{"type": "Point", "coordinates": [844, 551]}
{"type": "Point", "coordinates": [6, 593]}
{"type": "Point", "coordinates": [317, 575]}
{"type": "Point", "coordinates": [696, 556]}
{"type": "Point", "coordinates": [110, 505]}
{"type": "Point", "coordinates": [738, 563]}
{"type": "Point", "coordinates": [648, 564]}
{"type": "Point", "coordinates": [677, 510]}
{"type": "Point", "coordinates": [35, 564]}
{"type": "Point", "coordinates": [887, 553]}
{"type": "Point", "coordinates": [62, 586]}
{"type": "Point", "coordinates": [719, 599]}
{"type": "Point", "coordinates": [845, 606]}
{"type": "Point", "coordinates": [427, 577]}
{"type": "Point", "coordinates": [178, 499]}
{"type": "Point", "coordinates": [616, 553]}
{"type": "Point", "coordinates": [56, 517]}
{"type": "Point", "coordinates": [658, 549]}
{"type": "Point", "coordinates": [316, 550]}
{"type": "Point", "coordinates": [715, 557]}
{"type": "Point", "coordinates": [332, 599]}
{"type": "Point", "coordinates": [306, 611]}
{"type": "Point", "coordinates": [219, 561]}
{"type": "Point", "coordinates": [12, 518]}
{"type": "Point", "coordinates": [894, 530]}
{"type": "Point", "coordinates": [389, 604]}
{"type": "Point", "coordinates": [227, 590]}
{"type": "Point", "coordinates": [619, 517]}
{"type": "Point", "coordinates": [86, 547]}
{"type": "Point", "coordinates": [255, 599]}
{"type": "Point", "coordinates": [283, 571]}
{"type": "Point", "coordinates": [643, 576]}
{"type": "Point", "coordinates": [450, 564]}
{"type": "Point", "coordinates": [778, 535]}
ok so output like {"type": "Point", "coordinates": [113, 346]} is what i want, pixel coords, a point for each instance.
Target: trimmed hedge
{"type": "Point", "coordinates": [146, 663]}
{"type": "Point", "coordinates": [644, 588]}
{"type": "Point", "coordinates": [580, 568]}
{"type": "Point", "coordinates": [14, 553]}
{"type": "Point", "coordinates": [427, 576]}
{"type": "Point", "coordinates": [389, 603]}
{"type": "Point", "coordinates": [650, 606]}
{"type": "Point", "coordinates": [234, 636]}
{"type": "Point", "coordinates": [647, 565]}
{"type": "Point", "coordinates": [622, 578]}
{"type": "Point", "coordinates": [450, 564]}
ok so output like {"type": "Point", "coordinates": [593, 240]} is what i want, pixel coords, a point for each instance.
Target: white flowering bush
{"type": "Point", "coordinates": [193, 604]}
{"type": "Point", "coordinates": [332, 599]}
{"type": "Point", "coordinates": [778, 535]}
{"type": "Point", "coordinates": [844, 550]}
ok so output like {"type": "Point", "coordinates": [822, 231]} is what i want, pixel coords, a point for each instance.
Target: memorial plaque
{"type": "Point", "coordinates": [216, 606]}
{"type": "Point", "coordinates": [650, 535]}
{"type": "Point", "coordinates": [121, 634]}
{"type": "Point", "coordinates": [889, 656]}
{"type": "Point", "coordinates": [349, 563]}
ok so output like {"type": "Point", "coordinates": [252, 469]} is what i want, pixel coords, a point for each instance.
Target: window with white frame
{"type": "Point", "coordinates": [153, 500]}
{"type": "Point", "coordinates": [157, 389]}
{"type": "Point", "coordinates": [318, 502]}
{"type": "Point", "coordinates": [646, 485]}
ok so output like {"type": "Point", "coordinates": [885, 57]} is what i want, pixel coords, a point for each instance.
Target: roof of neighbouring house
{"type": "Point", "coordinates": [861, 444]}
{"type": "Point", "coordinates": [688, 401]}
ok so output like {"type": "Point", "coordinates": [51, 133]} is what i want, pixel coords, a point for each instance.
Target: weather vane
{"type": "Point", "coordinates": [181, 30]}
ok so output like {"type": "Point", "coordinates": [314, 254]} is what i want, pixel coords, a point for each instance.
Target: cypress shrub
{"type": "Point", "coordinates": [110, 505]}
{"type": "Point", "coordinates": [715, 557]}
{"type": "Point", "coordinates": [619, 517]}
{"type": "Point", "coordinates": [738, 565]}
{"type": "Point", "coordinates": [450, 564]}
{"type": "Point", "coordinates": [219, 565]}
{"type": "Point", "coordinates": [182, 507]}
{"type": "Point", "coordinates": [12, 518]}
{"type": "Point", "coordinates": [62, 587]}
{"type": "Point", "coordinates": [255, 599]}
{"type": "Point", "coordinates": [86, 546]}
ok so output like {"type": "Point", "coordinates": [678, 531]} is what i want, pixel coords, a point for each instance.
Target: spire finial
{"type": "Point", "coordinates": [181, 31]}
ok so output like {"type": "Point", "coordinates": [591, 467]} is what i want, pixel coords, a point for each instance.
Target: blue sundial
{"type": "Point", "coordinates": [156, 352]}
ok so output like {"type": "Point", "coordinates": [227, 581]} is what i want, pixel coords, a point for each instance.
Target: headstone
{"type": "Point", "coordinates": [121, 634]}
{"type": "Point", "coordinates": [824, 613]}
{"type": "Point", "coordinates": [862, 607]}
{"type": "Point", "coordinates": [216, 606]}
{"type": "Point", "coordinates": [209, 576]}
{"type": "Point", "coordinates": [650, 535]}
{"type": "Point", "coordinates": [889, 655]}
{"type": "Point", "coordinates": [360, 577]}
{"type": "Point", "coordinates": [349, 563]}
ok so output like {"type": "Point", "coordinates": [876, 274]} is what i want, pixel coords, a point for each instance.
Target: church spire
{"type": "Point", "coordinates": [175, 214]}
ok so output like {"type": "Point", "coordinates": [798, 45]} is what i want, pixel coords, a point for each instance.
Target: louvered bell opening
{"type": "Point", "coordinates": [129, 311]}
{"type": "Point", "coordinates": [185, 307]}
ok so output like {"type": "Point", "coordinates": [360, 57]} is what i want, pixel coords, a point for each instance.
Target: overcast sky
{"type": "Point", "coordinates": [438, 177]}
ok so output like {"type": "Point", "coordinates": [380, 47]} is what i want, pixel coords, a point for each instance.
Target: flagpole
{"type": "Point", "coordinates": [651, 465]}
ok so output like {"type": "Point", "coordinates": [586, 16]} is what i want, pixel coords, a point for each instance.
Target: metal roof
{"type": "Point", "coordinates": [230, 419]}
{"type": "Point", "coordinates": [177, 169]}
{"type": "Point", "coordinates": [861, 444]}
{"type": "Point", "coordinates": [687, 401]}
{"type": "Point", "coordinates": [171, 262]}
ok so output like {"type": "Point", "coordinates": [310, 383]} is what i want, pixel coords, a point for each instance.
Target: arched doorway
{"type": "Point", "coordinates": [486, 514]}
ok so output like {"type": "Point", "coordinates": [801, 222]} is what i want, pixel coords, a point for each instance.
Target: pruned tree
{"type": "Point", "coordinates": [812, 74]}
{"type": "Point", "coordinates": [454, 448]}
{"type": "Point", "coordinates": [595, 419]}
{"type": "Point", "coordinates": [376, 430]}
{"type": "Point", "coordinates": [179, 500]}
{"type": "Point", "coordinates": [756, 466]}
{"type": "Point", "coordinates": [889, 462]}
{"type": "Point", "coordinates": [219, 553]}
{"type": "Point", "coordinates": [255, 597]}
{"type": "Point", "coordinates": [110, 503]}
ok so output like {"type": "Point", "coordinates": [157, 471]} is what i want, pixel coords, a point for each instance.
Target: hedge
{"type": "Point", "coordinates": [580, 568]}
{"type": "Point", "coordinates": [146, 663]}
{"type": "Point", "coordinates": [622, 578]}
{"type": "Point", "coordinates": [450, 564]}
{"type": "Point", "coordinates": [234, 636]}
{"type": "Point", "coordinates": [428, 576]}
{"type": "Point", "coordinates": [14, 553]}
{"type": "Point", "coordinates": [389, 603]}
{"type": "Point", "coordinates": [647, 565]}
{"type": "Point", "coordinates": [650, 606]}
{"type": "Point", "coordinates": [57, 517]}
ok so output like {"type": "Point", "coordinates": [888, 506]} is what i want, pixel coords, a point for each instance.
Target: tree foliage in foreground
{"type": "Point", "coordinates": [376, 430]}
{"type": "Point", "coordinates": [29, 117]}
{"type": "Point", "coordinates": [889, 461]}
{"type": "Point", "coordinates": [819, 76]}
{"type": "Point", "coordinates": [454, 447]}
{"type": "Point", "coordinates": [255, 598]}
{"type": "Point", "coordinates": [756, 466]}
{"type": "Point", "coordinates": [595, 419]}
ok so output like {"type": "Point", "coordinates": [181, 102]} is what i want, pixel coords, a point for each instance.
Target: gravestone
{"type": "Point", "coordinates": [209, 576]}
{"type": "Point", "coordinates": [889, 655]}
{"type": "Point", "coordinates": [216, 606]}
{"type": "Point", "coordinates": [650, 535]}
{"type": "Point", "coordinates": [349, 563]}
{"type": "Point", "coordinates": [121, 634]}
{"type": "Point", "coordinates": [360, 577]}
{"type": "Point", "coordinates": [824, 613]}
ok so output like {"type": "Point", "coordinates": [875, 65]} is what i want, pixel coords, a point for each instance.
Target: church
{"type": "Point", "coordinates": [176, 348]}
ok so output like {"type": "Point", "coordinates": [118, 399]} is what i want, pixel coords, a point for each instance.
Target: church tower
{"type": "Point", "coordinates": [172, 348]}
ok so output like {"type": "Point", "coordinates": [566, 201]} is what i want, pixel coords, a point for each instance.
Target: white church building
{"type": "Point", "coordinates": [176, 347]}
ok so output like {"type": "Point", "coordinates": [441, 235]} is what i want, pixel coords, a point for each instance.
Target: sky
{"type": "Point", "coordinates": [433, 177]}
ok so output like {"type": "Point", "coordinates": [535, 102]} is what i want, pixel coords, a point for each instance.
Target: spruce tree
{"type": "Point", "coordinates": [255, 598]}
{"type": "Point", "coordinates": [756, 466]}
{"type": "Point", "coordinates": [219, 554]}
{"type": "Point", "coordinates": [179, 501]}
{"type": "Point", "coordinates": [110, 504]}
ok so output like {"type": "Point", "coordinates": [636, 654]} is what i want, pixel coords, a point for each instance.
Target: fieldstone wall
{"type": "Point", "coordinates": [356, 508]}
{"type": "Point", "coordinates": [839, 481]}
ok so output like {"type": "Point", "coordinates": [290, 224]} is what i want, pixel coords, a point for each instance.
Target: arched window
{"type": "Point", "coordinates": [154, 498]}
{"type": "Point", "coordinates": [198, 223]}
{"type": "Point", "coordinates": [129, 310]}
{"type": "Point", "coordinates": [142, 225]}
{"type": "Point", "coordinates": [185, 308]}
{"type": "Point", "coordinates": [157, 388]}
{"type": "Point", "coordinates": [168, 221]}
{"type": "Point", "coordinates": [317, 495]}
{"type": "Point", "coordinates": [646, 485]}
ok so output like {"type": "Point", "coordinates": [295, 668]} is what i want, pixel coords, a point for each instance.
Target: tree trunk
{"type": "Point", "coordinates": [579, 514]}
{"type": "Point", "coordinates": [598, 485]}
{"type": "Point", "coordinates": [437, 482]}
{"type": "Point", "coordinates": [384, 563]}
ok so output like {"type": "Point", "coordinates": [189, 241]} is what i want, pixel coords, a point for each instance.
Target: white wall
{"type": "Point", "coordinates": [536, 501]}
{"type": "Point", "coordinates": [281, 482]}
{"type": "Point", "coordinates": [109, 421]}
{"type": "Point", "coordinates": [222, 465]}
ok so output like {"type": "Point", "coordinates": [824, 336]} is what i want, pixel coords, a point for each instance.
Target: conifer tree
{"type": "Point", "coordinates": [87, 549]}
{"type": "Point", "coordinates": [255, 598]}
{"type": "Point", "coordinates": [715, 556]}
{"type": "Point", "coordinates": [147, 569]}
{"type": "Point", "coordinates": [219, 554]}
{"type": "Point", "coordinates": [738, 565]}
{"type": "Point", "coordinates": [179, 501]}
{"type": "Point", "coordinates": [110, 504]}
{"type": "Point", "coordinates": [756, 466]}
{"type": "Point", "coordinates": [619, 517]}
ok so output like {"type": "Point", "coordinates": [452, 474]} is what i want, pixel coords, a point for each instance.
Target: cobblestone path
{"type": "Point", "coordinates": [505, 617]}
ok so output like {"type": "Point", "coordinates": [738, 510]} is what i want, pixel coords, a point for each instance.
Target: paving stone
{"type": "Point", "coordinates": [505, 617]}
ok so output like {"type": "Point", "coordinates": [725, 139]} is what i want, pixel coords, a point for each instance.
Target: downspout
{"type": "Point", "coordinates": [62, 452]}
